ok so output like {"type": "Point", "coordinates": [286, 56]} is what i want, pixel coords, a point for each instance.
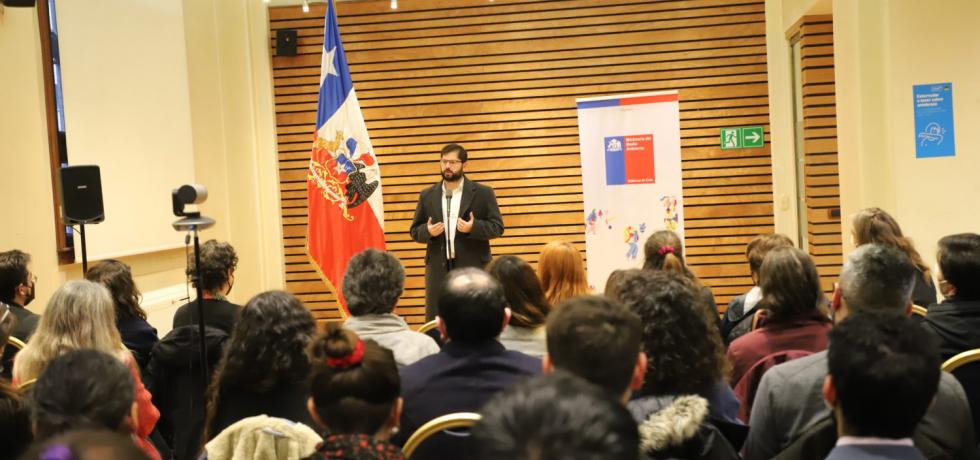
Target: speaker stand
{"type": "Point", "coordinates": [81, 233]}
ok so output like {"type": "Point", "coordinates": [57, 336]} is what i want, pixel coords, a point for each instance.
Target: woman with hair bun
{"type": "Point", "coordinates": [354, 396]}
{"type": "Point", "coordinates": [664, 250]}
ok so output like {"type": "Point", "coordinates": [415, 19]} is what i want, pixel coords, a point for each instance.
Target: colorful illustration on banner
{"type": "Point", "coordinates": [631, 236]}
{"type": "Point", "coordinates": [594, 218]}
{"type": "Point", "coordinates": [671, 219]}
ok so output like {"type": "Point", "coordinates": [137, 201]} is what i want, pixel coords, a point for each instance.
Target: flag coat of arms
{"type": "Point", "coordinates": [345, 210]}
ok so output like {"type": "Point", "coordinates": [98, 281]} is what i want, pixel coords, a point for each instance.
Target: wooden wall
{"type": "Point", "coordinates": [501, 78]}
{"type": "Point", "coordinates": [820, 146]}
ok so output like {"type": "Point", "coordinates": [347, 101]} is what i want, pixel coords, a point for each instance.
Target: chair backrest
{"type": "Point", "coordinates": [963, 366]}
{"type": "Point", "coordinates": [26, 385]}
{"type": "Point", "coordinates": [16, 343]}
{"type": "Point", "coordinates": [427, 326]}
{"type": "Point", "coordinates": [746, 387]}
{"type": "Point", "coordinates": [918, 310]}
{"type": "Point", "coordinates": [437, 425]}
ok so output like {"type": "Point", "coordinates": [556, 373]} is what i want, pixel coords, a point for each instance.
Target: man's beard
{"type": "Point", "coordinates": [451, 176]}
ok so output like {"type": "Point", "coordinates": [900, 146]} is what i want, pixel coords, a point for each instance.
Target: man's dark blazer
{"type": "Point", "coordinates": [472, 249]}
{"type": "Point", "coordinates": [460, 378]}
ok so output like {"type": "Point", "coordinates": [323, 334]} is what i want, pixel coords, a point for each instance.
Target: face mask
{"type": "Point", "coordinates": [30, 296]}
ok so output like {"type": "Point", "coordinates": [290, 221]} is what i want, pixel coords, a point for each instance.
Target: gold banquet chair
{"type": "Point", "coordinates": [428, 326]}
{"type": "Point", "coordinates": [961, 359]}
{"type": "Point", "coordinates": [919, 311]}
{"type": "Point", "coordinates": [16, 343]}
{"type": "Point", "coordinates": [437, 425]}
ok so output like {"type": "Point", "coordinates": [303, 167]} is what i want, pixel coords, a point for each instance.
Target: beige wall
{"type": "Point", "coordinates": [233, 144]}
{"type": "Point", "coordinates": [882, 48]}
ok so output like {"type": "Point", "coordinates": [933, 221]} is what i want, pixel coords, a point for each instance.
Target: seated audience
{"type": "Point", "coordinates": [470, 368]}
{"type": "Point", "coordinates": [174, 378]}
{"type": "Point", "coordinates": [875, 226]}
{"type": "Point", "coordinates": [956, 321]}
{"type": "Point", "coordinates": [15, 422]}
{"type": "Point", "coordinates": [685, 356]}
{"type": "Point", "coordinates": [601, 341]}
{"type": "Point", "coordinates": [528, 308]}
{"type": "Point", "coordinates": [354, 396]}
{"type": "Point", "coordinates": [218, 263]}
{"type": "Point", "coordinates": [556, 416]}
{"type": "Point", "coordinates": [790, 399]}
{"type": "Point", "coordinates": [136, 333]}
{"type": "Point", "coordinates": [737, 320]}
{"type": "Point", "coordinates": [17, 288]}
{"type": "Point", "coordinates": [372, 284]}
{"type": "Point", "coordinates": [614, 283]}
{"type": "Point", "coordinates": [80, 315]}
{"type": "Point", "coordinates": [562, 272]}
{"type": "Point", "coordinates": [264, 369]}
{"type": "Point", "coordinates": [84, 389]}
{"type": "Point", "coordinates": [87, 445]}
{"type": "Point", "coordinates": [883, 371]}
{"type": "Point", "coordinates": [664, 250]}
{"type": "Point", "coordinates": [795, 322]}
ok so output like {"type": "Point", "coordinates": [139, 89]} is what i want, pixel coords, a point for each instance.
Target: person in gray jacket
{"type": "Point", "coordinates": [790, 402]}
{"type": "Point", "coordinates": [372, 284]}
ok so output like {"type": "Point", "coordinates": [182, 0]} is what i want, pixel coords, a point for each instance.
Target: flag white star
{"type": "Point", "coordinates": [327, 66]}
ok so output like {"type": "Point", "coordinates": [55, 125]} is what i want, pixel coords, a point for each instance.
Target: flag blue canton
{"type": "Point", "coordinates": [334, 86]}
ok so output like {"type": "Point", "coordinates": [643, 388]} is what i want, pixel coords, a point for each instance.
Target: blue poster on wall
{"type": "Point", "coordinates": [934, 120]}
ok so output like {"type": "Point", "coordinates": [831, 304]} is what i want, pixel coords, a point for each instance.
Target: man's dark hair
{"type": "Point", "coordinates": [596, 339]}
{"type": "Point", "coordinates": [472, 306]}
{"type": "Point", "coordinates": [556, 416]}
{"type": "Point", "coordinates": [13, 272]}
{"type": "Point", "coordinates": [373, 282]}
{"type": "Point", "coordinates": [959, 261]}
{"type": "Point", "coordinates": [877, 278]}
{"type": "Point", "coordinates": [885, 369]}
{"type": "Point", "coordinates": [217, 257]}
{"type": "Point", "coordinates": [82, 389]}
{"type": "Point", "coordinates": [454, 147]}
{"type": "Point", "coordinates": [680, 339]}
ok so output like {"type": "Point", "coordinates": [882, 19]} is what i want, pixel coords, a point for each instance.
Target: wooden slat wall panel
{"type": "Point", "coordinates": [820, 146]}
{"type": "Point", "coordinates": [501, 78]}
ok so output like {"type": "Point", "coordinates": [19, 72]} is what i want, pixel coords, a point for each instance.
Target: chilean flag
{"type": "Point", "coordinates": [343, 184]}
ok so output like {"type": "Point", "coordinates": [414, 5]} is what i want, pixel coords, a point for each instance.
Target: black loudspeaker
{"type": "Point", "coordinates": [81, 194]}
{"type": "Point", "coordinates": [16, 3]}
{"type": "Point", "coordinates": [286, 42]}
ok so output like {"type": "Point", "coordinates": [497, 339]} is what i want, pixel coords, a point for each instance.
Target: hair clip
{"type": "Point", "coordinates": [355, 357]}
{"type": "Point", "coordinates": [664, 250]}
{"type": "Point", "coordinates": [57, 452]}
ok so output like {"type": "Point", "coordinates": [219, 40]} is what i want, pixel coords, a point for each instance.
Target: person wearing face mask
{"type": "Point", "coordinates": [956, 320]}
{"type": "Point", "coordinates": [457, 211]}
{"type": "Point", "coordinates": [17, 288]}
{"type": "Point", "coordinates": [218, 263]}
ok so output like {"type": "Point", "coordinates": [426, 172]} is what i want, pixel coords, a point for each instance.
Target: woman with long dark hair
{"type": "Point", "coordinates": [265, 368]}
{"type": "Point", "coordinates": [528, 307]}
{"type": "Point", "coordinates": [354, 396]}
{"type": "Point", "coordinates": [795, 321]}
{"type": "Point", "coordinates": [875, 226]}
{"type": "Point", "coordinates": [136, 332]}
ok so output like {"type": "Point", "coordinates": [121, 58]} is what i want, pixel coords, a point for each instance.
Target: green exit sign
{"type": "Point", "coordinates": [745, 137]}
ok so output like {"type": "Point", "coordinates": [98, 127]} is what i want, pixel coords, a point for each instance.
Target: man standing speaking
{"type": "Point", "coordinates": [459, 212]}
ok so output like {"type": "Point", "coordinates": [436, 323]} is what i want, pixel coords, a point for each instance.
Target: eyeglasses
{"type": "Point", "coordinates": [451, 162]}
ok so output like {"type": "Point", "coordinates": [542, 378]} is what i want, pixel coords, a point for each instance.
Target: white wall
{"type": "Point", "coordinates": [233, 140]}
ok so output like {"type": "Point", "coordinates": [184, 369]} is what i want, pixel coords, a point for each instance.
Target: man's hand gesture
{"type": "Point", "coordinates": [465, 225]}
{"type": "Point", "coordinates": [435, 229]}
